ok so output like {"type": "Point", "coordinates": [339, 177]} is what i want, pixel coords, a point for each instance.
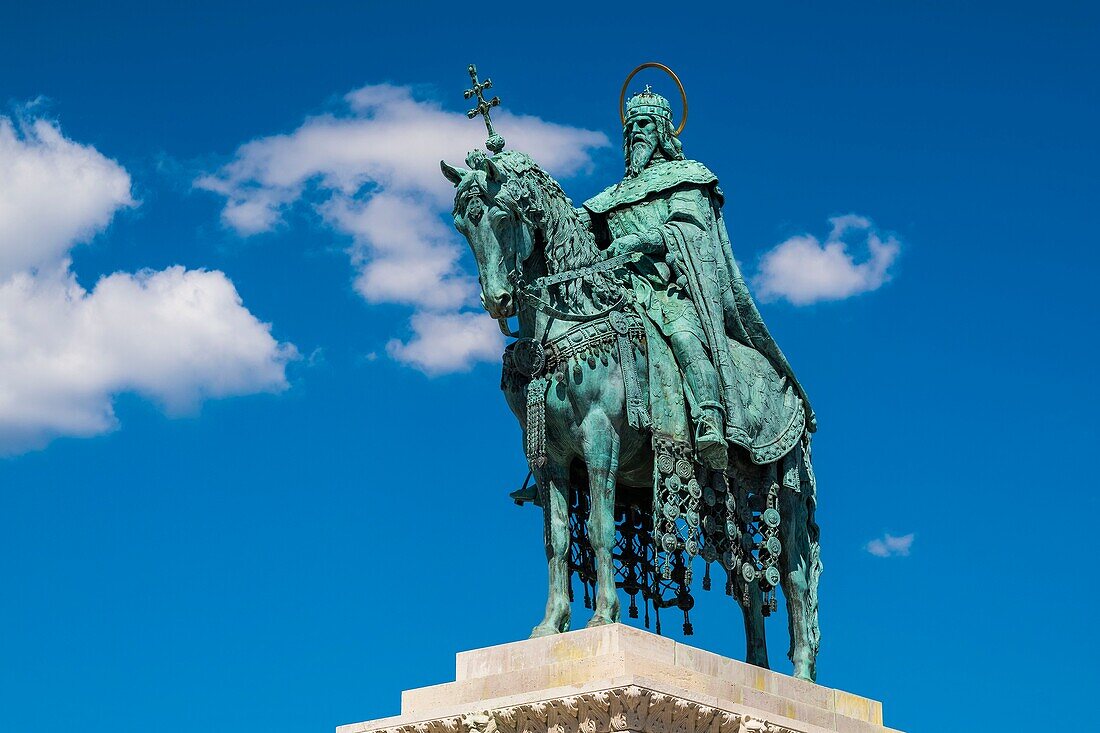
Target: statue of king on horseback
{"type": "Point", "coordinates": [661, 421]}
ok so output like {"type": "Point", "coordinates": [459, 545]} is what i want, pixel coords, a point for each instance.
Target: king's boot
{"type": "Point", "coordinates": [710, 441]}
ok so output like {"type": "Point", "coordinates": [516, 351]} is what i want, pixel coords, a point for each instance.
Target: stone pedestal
{"type": "Point", "coordinates": [618, 678]}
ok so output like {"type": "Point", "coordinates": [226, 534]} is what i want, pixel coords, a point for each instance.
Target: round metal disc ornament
{"type": "Point", "coordinates": [694, 489]}
{"type": "Point", "coordinates": [771, 575]}
{"type": "Point", "coordinates": [748, 572]}
{"type": "Point", "coordinates": [671, 510]}
{"type": "Point", "coordinates": [773, 545]}
{"type": "Point", "coordinates": [669, 542]}
{"type": "Point", "coordinates": [529, 357]}
{"type": "Point", "coordinates": [770, 517]}
{"type": "Point", "coordinates": [620, 322]}
{"type": "Point", "coordinates": [670, 72]}
{"type": "Point", "coordinates": [664, 463]}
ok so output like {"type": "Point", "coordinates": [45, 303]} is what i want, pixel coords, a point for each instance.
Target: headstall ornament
{"type": "Point", "coordinates": [495, 142]}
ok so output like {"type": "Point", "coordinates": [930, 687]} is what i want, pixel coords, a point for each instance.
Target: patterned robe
{"type": "Point", "coordinates": [691, 282]}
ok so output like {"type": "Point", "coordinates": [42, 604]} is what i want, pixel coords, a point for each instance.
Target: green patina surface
{"type": "Point", "coordinates": [663, 425]}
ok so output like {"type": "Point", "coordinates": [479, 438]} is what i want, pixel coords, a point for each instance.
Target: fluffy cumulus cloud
{"type": "Point", "coordinates": [447, 342]}
{"type": "Point", "coordinates": [372, 173]}
{"type": "Point", "coordinates": [54, 193]}
{"type": "Point", "coordinates": [175, 336]}
{"type": "Point", "coordinates": [805, 270]}
{"type": "Point", "coordinates": [890, 546]}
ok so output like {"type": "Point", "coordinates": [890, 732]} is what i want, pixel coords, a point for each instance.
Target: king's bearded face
{"type": "Point", "coordinates": [641, 134]}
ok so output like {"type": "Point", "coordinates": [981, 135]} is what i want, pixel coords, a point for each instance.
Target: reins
{"type": "Point", "coordinates": [530, 291]}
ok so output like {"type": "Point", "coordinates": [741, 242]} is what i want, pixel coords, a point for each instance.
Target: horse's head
{"type": "Point", "coordinates": [490, 211]}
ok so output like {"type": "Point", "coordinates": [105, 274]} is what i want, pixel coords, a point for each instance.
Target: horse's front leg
{"type": "Point", "coordinates": [755, 639]}
{"type": "Point", "coordinates": [602, 443]}
{"type": "Point", "coordinates": [553, 486]}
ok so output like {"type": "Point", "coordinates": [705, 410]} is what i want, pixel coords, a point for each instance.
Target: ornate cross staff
{"type": "Point", "coordinates": [495, 142]}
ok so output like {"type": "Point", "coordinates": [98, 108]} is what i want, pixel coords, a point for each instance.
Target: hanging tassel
{"type": "Point", "coordinates": [633, 610]}
{"type": "Point", "coordinates": [706, 578]}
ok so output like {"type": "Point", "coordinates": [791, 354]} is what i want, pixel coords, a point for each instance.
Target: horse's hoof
{"type": "Point", "coordinates": [804, 673]}
{"type": "Point", "coordinates": [543, 630]}
{"type": "Point", "coordinates": [598, 621]}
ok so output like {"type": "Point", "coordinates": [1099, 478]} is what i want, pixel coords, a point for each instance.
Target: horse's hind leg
{"type": "Point", "coordinates": [554, 494]}
{"type": "Point", "coordinates": [800, 566]}
{"type": "Point", "coordinates": [602, 458]}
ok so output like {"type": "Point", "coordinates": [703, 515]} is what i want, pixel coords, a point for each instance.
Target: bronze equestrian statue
{"type": "Point", "coordinates": [661, 421]}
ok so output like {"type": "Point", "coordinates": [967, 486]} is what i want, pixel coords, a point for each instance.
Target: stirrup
{"type": "Point", "coordinates": [529, 492]}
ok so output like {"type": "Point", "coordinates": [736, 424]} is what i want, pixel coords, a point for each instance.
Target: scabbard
{"type": "Point", "coordinates": [636, 413]}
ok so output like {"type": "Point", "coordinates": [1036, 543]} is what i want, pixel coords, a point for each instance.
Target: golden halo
{"type": "Point", "coordinates": [670, 72]}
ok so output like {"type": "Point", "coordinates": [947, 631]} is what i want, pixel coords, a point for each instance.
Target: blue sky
{"type": "Point", "coordinates": [231, 495]}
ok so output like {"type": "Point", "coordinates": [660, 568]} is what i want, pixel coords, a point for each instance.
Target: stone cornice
{"type": "Point", "coordinates": [616, 710]}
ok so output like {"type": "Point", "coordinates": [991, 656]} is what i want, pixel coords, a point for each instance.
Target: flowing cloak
{"type": "Point", "coordinates": [676, 206]}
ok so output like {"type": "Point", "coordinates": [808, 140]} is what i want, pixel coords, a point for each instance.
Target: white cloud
{"type": "Point", "coordinates": [804, 270]}
{"type": "Point", "coordinates": [448, 342]}
{"type": "Point", "coordinates": [403, 251]}
{"type": "Point", "coordinates": [175, 336]}
{"type": "Point", "coordinates": [890, 546]}
{"type": "Point", "coordinates": [373, 174]}
{"type": "Point", "coordinates": [54, 193]}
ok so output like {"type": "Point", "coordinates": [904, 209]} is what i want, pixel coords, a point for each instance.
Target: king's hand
{"type": "Point", "coordinates": [624, 244]}
{"type": "Point", "coordinates": [648, 242]}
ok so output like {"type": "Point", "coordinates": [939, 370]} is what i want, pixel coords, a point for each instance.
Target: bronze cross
{"type": "Point", "coordinates": [495, 143]}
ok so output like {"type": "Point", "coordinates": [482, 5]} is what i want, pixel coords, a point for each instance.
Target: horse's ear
{"type": "Point", "coordinates": [454, 175]}
{"type": "Point", "coordinates": [493, 172]}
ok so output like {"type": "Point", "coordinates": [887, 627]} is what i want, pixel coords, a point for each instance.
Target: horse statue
{"type": "Point", "coordinates": [626, 505]}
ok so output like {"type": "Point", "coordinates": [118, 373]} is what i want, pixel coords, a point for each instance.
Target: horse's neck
{"type": "Point", "coordinates": [565, 244]}
{"type": "Point", "coordinates": [568, 242]}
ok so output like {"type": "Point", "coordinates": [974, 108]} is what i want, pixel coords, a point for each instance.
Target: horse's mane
{"type": "Point", "coordinates": [567, 241]}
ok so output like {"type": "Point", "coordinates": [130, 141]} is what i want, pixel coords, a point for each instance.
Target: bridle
{"type": "Point", "coordinates": [536, 294]}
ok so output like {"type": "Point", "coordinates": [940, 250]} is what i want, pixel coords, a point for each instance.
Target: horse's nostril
{"type": "Point", "coordinates": [505, 301]}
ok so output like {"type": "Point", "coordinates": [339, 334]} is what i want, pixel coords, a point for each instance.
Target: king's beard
{"type": "Point", "coordinates": [641, 153]}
